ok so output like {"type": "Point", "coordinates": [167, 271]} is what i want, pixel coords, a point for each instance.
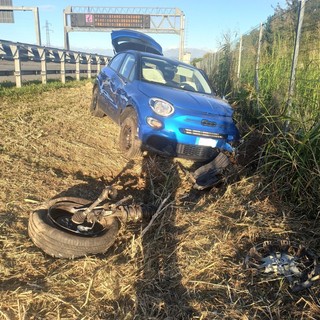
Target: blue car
{"type": "Point", "coordinates": [161, 104]}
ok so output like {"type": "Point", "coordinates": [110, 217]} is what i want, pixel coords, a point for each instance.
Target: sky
{"type": "Point", "coordinates": [206, 22]}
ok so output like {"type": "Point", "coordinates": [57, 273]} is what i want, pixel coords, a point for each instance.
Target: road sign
{"type": "Point", "coordinates": [102, 20]}
{"type": "Point", "coordinates": [6, 16]}
{"type": "Point", "coordinates": [107, 19]}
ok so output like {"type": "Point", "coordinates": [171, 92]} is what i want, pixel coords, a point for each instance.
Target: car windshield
{"type": "Point", "coordinates": [173, 74]}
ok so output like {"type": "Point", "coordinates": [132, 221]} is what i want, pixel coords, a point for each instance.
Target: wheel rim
{"type": "Point", "coordinates": [62, 219]}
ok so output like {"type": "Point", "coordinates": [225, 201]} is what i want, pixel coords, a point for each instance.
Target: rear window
{"type": "Point", "coordinates": [116, 61]}
{"type": "Point", "coordinates": [127, 68]}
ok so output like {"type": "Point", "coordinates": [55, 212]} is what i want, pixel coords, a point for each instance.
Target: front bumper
{"type": "Point", "coordinates": [184, 137]}
{"type": "Point", "coordinates": [171, 148]}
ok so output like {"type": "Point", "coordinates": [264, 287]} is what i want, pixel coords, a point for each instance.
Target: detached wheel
{"type": "Point", "coordinates": [129, 142]}
{"type": "Point", "coordinates": [61, 243]}
{"type": "Point", "coordinates": [94, 109]}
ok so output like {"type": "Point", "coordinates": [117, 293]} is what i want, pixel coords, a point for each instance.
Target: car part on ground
{"type": "Point", "coordinates": [297, 264]}
{"type": "Point", "coordinates": [53, 230]}
{"type": "Point", "coordinates": [209, 174]}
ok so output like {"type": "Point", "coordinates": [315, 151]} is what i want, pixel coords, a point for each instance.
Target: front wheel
{"type": "Point", "coordinates": [129, 143]}
{"type": "Point", "coordinates": [60, 242]}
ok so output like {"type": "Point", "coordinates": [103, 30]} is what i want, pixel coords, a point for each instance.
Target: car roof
{"type": "Point", "coordinates": [125, 39]}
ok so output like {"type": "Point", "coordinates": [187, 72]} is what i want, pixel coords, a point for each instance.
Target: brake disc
{"type": "Point", "coordinates": [61, 215]}
{"type": "Point", "coordinates": [297, 264]}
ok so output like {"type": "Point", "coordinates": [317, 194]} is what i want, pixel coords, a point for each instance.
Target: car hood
{"type": "Point", "coordinates": [191, 101]}
{"type": "Point", "coordinates": [124, 39]}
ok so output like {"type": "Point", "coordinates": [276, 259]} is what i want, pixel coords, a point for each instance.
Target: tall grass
{"type": "Point", "coordinates": [290, 158]}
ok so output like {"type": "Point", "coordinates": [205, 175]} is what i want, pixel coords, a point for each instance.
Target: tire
{"type": "Point", "coordinates": [94, 109]}
{"type": "Point", "coordinates": [129, 143]}
{"type": "Point", "coordinates": [60, 243]}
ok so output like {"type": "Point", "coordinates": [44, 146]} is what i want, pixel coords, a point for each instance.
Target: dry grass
{"type": "Point", "coordinates": [188, 265]}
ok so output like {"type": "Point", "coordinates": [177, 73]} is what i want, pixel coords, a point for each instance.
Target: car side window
{"type": "Point", "coordinates": [127, 68]}
{"type": "Point", "coordinates": [116, 61]}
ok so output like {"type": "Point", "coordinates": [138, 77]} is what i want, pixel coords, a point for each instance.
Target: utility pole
{"type": "Point", "coordinates": [48, 30]}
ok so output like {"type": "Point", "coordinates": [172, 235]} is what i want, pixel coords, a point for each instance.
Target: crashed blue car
{"type": "Point", "coordinates": [161, 104]}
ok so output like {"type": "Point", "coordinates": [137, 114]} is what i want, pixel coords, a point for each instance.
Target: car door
{"type": "Point", "coordinates": [108, 82]}
{"type": "Point", "coordinates": [118, 86]}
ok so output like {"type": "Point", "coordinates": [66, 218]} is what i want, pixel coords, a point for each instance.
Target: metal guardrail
{"type": "Point", "coordinates": [20, 61]}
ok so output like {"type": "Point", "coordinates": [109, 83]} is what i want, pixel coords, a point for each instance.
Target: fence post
{"type": "Point", "coordinates": [15, 49]}
{"type": "Point", "coordinates": [77, 66]}
{"type": "Point", "coordinates": [211, 63]}
{"type": "Point", "coordinates": [42, 54]}
{"type": "Point", "coordinates": [218, 60]}
{"type": "Point", "coordinates": [294, 63]}
{"type": "Point", "coordinates": [98, 64]}
{"type": "Point", "coordinates": [62, 57]}
{"type": "Point", "coordinates": [239, 60]}
{"type": "Point", "coordinates": [88, 56]}
{"type": "Point", "coordinates": [256, 76]}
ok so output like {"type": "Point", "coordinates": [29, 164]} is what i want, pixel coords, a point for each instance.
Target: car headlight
{"type": "Point", "coordinates": [161, 107]}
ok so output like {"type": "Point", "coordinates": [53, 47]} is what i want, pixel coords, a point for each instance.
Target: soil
{"type": "Point", "coordinates": [189, 262]}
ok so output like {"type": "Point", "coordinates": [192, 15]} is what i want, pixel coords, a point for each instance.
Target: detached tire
{"type": "Point", "coordinates": [60, 243]}
{"type": "Point", "coordinates": [94, 109]}
{"type": "Point", "coordinates": [129, 143]}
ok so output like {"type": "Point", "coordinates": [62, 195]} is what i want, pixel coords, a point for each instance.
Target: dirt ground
{"type": "Point", "coordinates": [188, 265]}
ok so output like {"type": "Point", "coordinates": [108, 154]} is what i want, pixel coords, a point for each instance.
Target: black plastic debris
{"type": "Point", "coordinates": [209, 174]}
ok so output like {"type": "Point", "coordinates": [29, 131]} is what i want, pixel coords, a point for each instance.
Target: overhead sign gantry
{"type": "Point", "coordinates": [106, 19]}
{"type": "Point", "coordinates": [6, 15]}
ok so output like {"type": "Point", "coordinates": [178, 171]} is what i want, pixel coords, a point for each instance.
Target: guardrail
{"type": "Point", "coordinates": [23, 62]}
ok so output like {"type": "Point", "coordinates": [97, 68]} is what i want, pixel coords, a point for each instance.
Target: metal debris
{"type": "Point", "coordinates": [88, 218]}
{"type": "Point", "coordinates": [299, 265]}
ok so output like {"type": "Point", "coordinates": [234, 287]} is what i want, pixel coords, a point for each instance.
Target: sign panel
{"type": "Point", "coordinates": [100, 20]}
{"type": "Point", "coordinates": [6, 16]}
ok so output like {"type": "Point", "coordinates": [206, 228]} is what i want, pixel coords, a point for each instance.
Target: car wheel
{"type": "Point", "coordinates": [129, 143]}
{"type": "Point", "coordinates": [61, 243]}
{"type": "Point", "coordinates": [94, 109]}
